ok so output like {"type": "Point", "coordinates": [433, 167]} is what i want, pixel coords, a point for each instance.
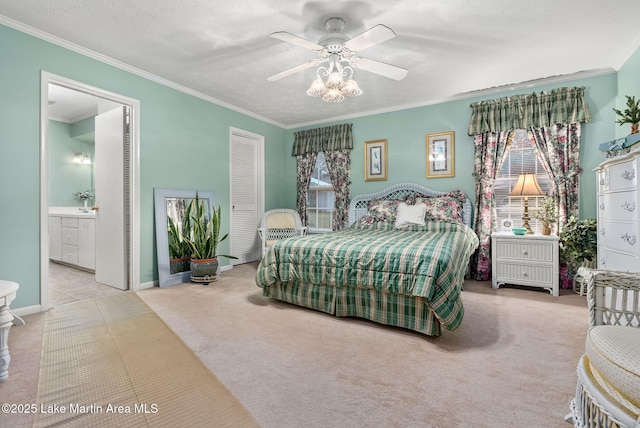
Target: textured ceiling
{"type": "Point", "coordinates": [222, 49]}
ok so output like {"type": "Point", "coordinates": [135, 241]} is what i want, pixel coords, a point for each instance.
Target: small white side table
{"type": "Point", "coordinates": [8, 291]}
{"type": "Point", "coordinates": [531, 260]}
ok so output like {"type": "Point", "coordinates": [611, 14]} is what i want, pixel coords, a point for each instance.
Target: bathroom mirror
{"type": "Point", "coordinates": [170, 208]}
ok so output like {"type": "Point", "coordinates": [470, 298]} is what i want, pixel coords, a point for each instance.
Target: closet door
{"type": "Point", "coordinates": [247, 190]}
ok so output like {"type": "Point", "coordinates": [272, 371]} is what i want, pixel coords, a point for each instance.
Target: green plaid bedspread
{"type": "Point", "coordinates": [428, 262]}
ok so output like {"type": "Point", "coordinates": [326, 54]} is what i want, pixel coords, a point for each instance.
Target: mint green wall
{"type": "Point", "coordinates": [406, 134]}
{"type": "Point", "coordinates": [628, 84]}
{"type": "Point", "coordinates": [183, 145]}
{"type": "Point", "coordinates": [84, 130]}
{"type": "Point", "coordinates": [66, 177]}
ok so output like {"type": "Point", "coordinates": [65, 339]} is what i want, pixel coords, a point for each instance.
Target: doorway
{"type": "Point", "coordinates": [130, 198]}
{"type": "Point", "coordinates": [247, 194]}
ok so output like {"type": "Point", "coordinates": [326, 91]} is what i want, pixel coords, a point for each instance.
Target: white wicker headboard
{"type": "Point", "coordinates": [358, 206]}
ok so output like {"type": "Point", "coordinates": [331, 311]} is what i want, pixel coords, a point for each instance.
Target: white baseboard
{"type": "Point", "coordinates": [27, 310]}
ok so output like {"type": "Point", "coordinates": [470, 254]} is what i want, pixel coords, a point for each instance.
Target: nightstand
{"type": "Point", "coordinates": [531, 260]}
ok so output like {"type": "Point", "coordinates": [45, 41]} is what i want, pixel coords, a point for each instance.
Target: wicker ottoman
{"type": "Point", "coordinates": [608, 391]}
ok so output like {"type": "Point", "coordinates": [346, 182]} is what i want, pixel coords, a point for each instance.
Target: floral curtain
{"type": "Point", "coordinates": [336, 142]}
{"type": "Point", "coordinates": [558, 149]}
{"type": "Point", "coordinates": [339, 166]}
{"type": "Point", "coordinates": [553, 119]}
{"type": "Point", "coordinates": [304, 170]}
{"type": "Point", "coordinates": [489, 153]}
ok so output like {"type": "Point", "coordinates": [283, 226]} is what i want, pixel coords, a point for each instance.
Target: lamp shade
{"type": "Point", "coordinates": [527, 185]}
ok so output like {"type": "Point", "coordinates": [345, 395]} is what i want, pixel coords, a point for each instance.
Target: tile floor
{"type": "Point", "coordinates": [68, 285]}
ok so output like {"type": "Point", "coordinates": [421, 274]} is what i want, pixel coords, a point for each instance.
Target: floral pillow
{"type": "Point", "coordinates": [442, 208]}
{"type": "Point", "coordinates": [382, 209]}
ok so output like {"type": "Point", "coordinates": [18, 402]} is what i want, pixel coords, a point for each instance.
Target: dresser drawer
{"type": "Point", "coordinates": [69, 222]}
{"type": "Point", "coordinates": [620, 206]}
{"type": "Point", "coordinates": [622, 237]}
{"type": "Point", "coordinates": [537, 275]}
{"type": "Point", "coordinates": [612, 260]}
{"type": "Point", "coordinates": [70, 236]}
{"type": "Point", "coordinates": [70, 254]}
{"type": "Point", "coordinates": [521, 250]}
{"type": "Point", "coordinates": [622, 176]}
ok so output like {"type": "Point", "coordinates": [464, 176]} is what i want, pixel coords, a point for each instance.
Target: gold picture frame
{"type": "Point", "coordinates": [375, 160]}
{"type": "Point", "coordinates": [440, 155]}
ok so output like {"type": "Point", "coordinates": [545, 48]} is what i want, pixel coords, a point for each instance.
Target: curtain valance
{"type": "Point", "coordinates": [336, 137]}
{"type": "Point", "coordinates": [562, 105]}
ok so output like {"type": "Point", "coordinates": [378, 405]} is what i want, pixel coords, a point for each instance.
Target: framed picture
{"type": "Point", "coordinates": [375, 160]}
{"type": "Point", "coordinates": [506, 224]}
{"type": "Point", "coordinates": [440, 155]}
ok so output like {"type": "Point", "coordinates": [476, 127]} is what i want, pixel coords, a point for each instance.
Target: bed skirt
{"type": "Point", "coordinates": [409, 312]}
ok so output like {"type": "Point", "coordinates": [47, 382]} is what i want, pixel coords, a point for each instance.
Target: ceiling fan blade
{"type": "Point", "coordinates": [381, 68]}
{"type": "Point", "coordinates": [378, 34]}
{"type": "Point", "coordinates": [294, 70]}
{"type": "Point", "coordinates": [291, 38]}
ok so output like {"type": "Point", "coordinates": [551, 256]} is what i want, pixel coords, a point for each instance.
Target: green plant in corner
{"type": "Point", "coordinates": [631, 114]}
{"type": "Point", "coordinates": [578, 242]}
{"type": "Point", "coordinates": [203, 235]}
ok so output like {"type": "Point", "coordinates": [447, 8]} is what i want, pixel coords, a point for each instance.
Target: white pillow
{"type": "Point", "coordinates": [410, 214]}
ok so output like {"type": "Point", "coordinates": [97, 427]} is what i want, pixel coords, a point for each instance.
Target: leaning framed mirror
{"type": "Point", "coordinates": [170, 208]}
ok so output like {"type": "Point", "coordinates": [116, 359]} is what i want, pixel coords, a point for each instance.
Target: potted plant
{"type": "Point", "coordinates": [203, 237]}
{"type": "Point", "coordinates": [547, 214]}
{"type": "Point", "coordinates": [84, 197]}
{"type": "Point", "coordinates": [630, 115]}
{"type": "Point", "coordinates": [179, 250]}
{"type": "Point", "coordinates": [578, 246]}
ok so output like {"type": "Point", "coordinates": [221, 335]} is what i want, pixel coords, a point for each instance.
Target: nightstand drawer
{"type": "Point", "coordinates": [519, 273]}
{"type": "Point", "coordinates": [521, 250]}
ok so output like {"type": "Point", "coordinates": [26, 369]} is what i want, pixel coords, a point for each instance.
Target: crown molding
{"type": "Point", "coordinates": [23, 28]}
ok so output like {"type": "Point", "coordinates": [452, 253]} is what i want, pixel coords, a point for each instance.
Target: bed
{"type": "Point", "coordinates": [386, 267]}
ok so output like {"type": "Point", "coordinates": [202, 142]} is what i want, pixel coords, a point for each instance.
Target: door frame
{"type": "Point", "coordinates": [47, 78]}
{"type": "Point", "coordinates": [259, 174]}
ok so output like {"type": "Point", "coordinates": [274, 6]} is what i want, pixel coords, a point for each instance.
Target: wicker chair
{"type": "Point", "coordinates": [279, 224]}
{"type": "Point", "coordinates": [608, 388]}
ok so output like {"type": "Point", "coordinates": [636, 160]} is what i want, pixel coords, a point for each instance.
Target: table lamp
{"type": "Point", "coordinates": [527, 185]}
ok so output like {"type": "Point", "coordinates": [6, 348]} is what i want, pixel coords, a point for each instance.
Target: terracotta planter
{"type": "Point", "coordinates": [545, 230]}
{"type": "Point", "coordinates": [204, 270]}
{"type": "Point", "coordinates": [634, 128]}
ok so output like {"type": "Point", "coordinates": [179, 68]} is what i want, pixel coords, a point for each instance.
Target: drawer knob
{"type": "Point", "coordinates": [628, 206]}
{"type": "Point", "coordinates": [602, 207]}
{"type": "Point", "coordinates": [525, 274]}
{"type": "Point", "coordinates": [525, 252]}
{"type": "Point", "coordinates": [628, 175]}
{"type": "Point", "coordinates": [629, 239]}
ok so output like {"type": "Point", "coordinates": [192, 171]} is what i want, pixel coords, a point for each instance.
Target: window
{"type": "Point", "coordinates": [320, 199]}
{"type": "Point", "coordinates": [520, 159]}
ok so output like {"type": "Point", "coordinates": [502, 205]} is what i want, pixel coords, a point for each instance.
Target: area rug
{"type": "Point", "coordinates": [113, 362]}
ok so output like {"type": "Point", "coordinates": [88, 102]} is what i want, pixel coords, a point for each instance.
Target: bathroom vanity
{"type": "Point", "coordinates": [72, 237]}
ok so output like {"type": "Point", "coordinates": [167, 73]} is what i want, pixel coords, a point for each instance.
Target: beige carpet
{"type": "Point", "coordinates": [511, 363]}
{"type": "Point", "coordinates": [113, 362]}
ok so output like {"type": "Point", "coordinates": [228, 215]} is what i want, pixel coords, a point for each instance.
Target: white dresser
{"type": "Point", "coordinates": [531, 260]}
{"type": "Point", "coordinates": [617, 184]}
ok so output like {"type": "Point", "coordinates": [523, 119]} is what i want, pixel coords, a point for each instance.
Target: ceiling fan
{"type": "Point", "coordinates": [338, 50]}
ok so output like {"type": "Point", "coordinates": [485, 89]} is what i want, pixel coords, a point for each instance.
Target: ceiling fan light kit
{"type": "Point", "coordinates": [337, 61]}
